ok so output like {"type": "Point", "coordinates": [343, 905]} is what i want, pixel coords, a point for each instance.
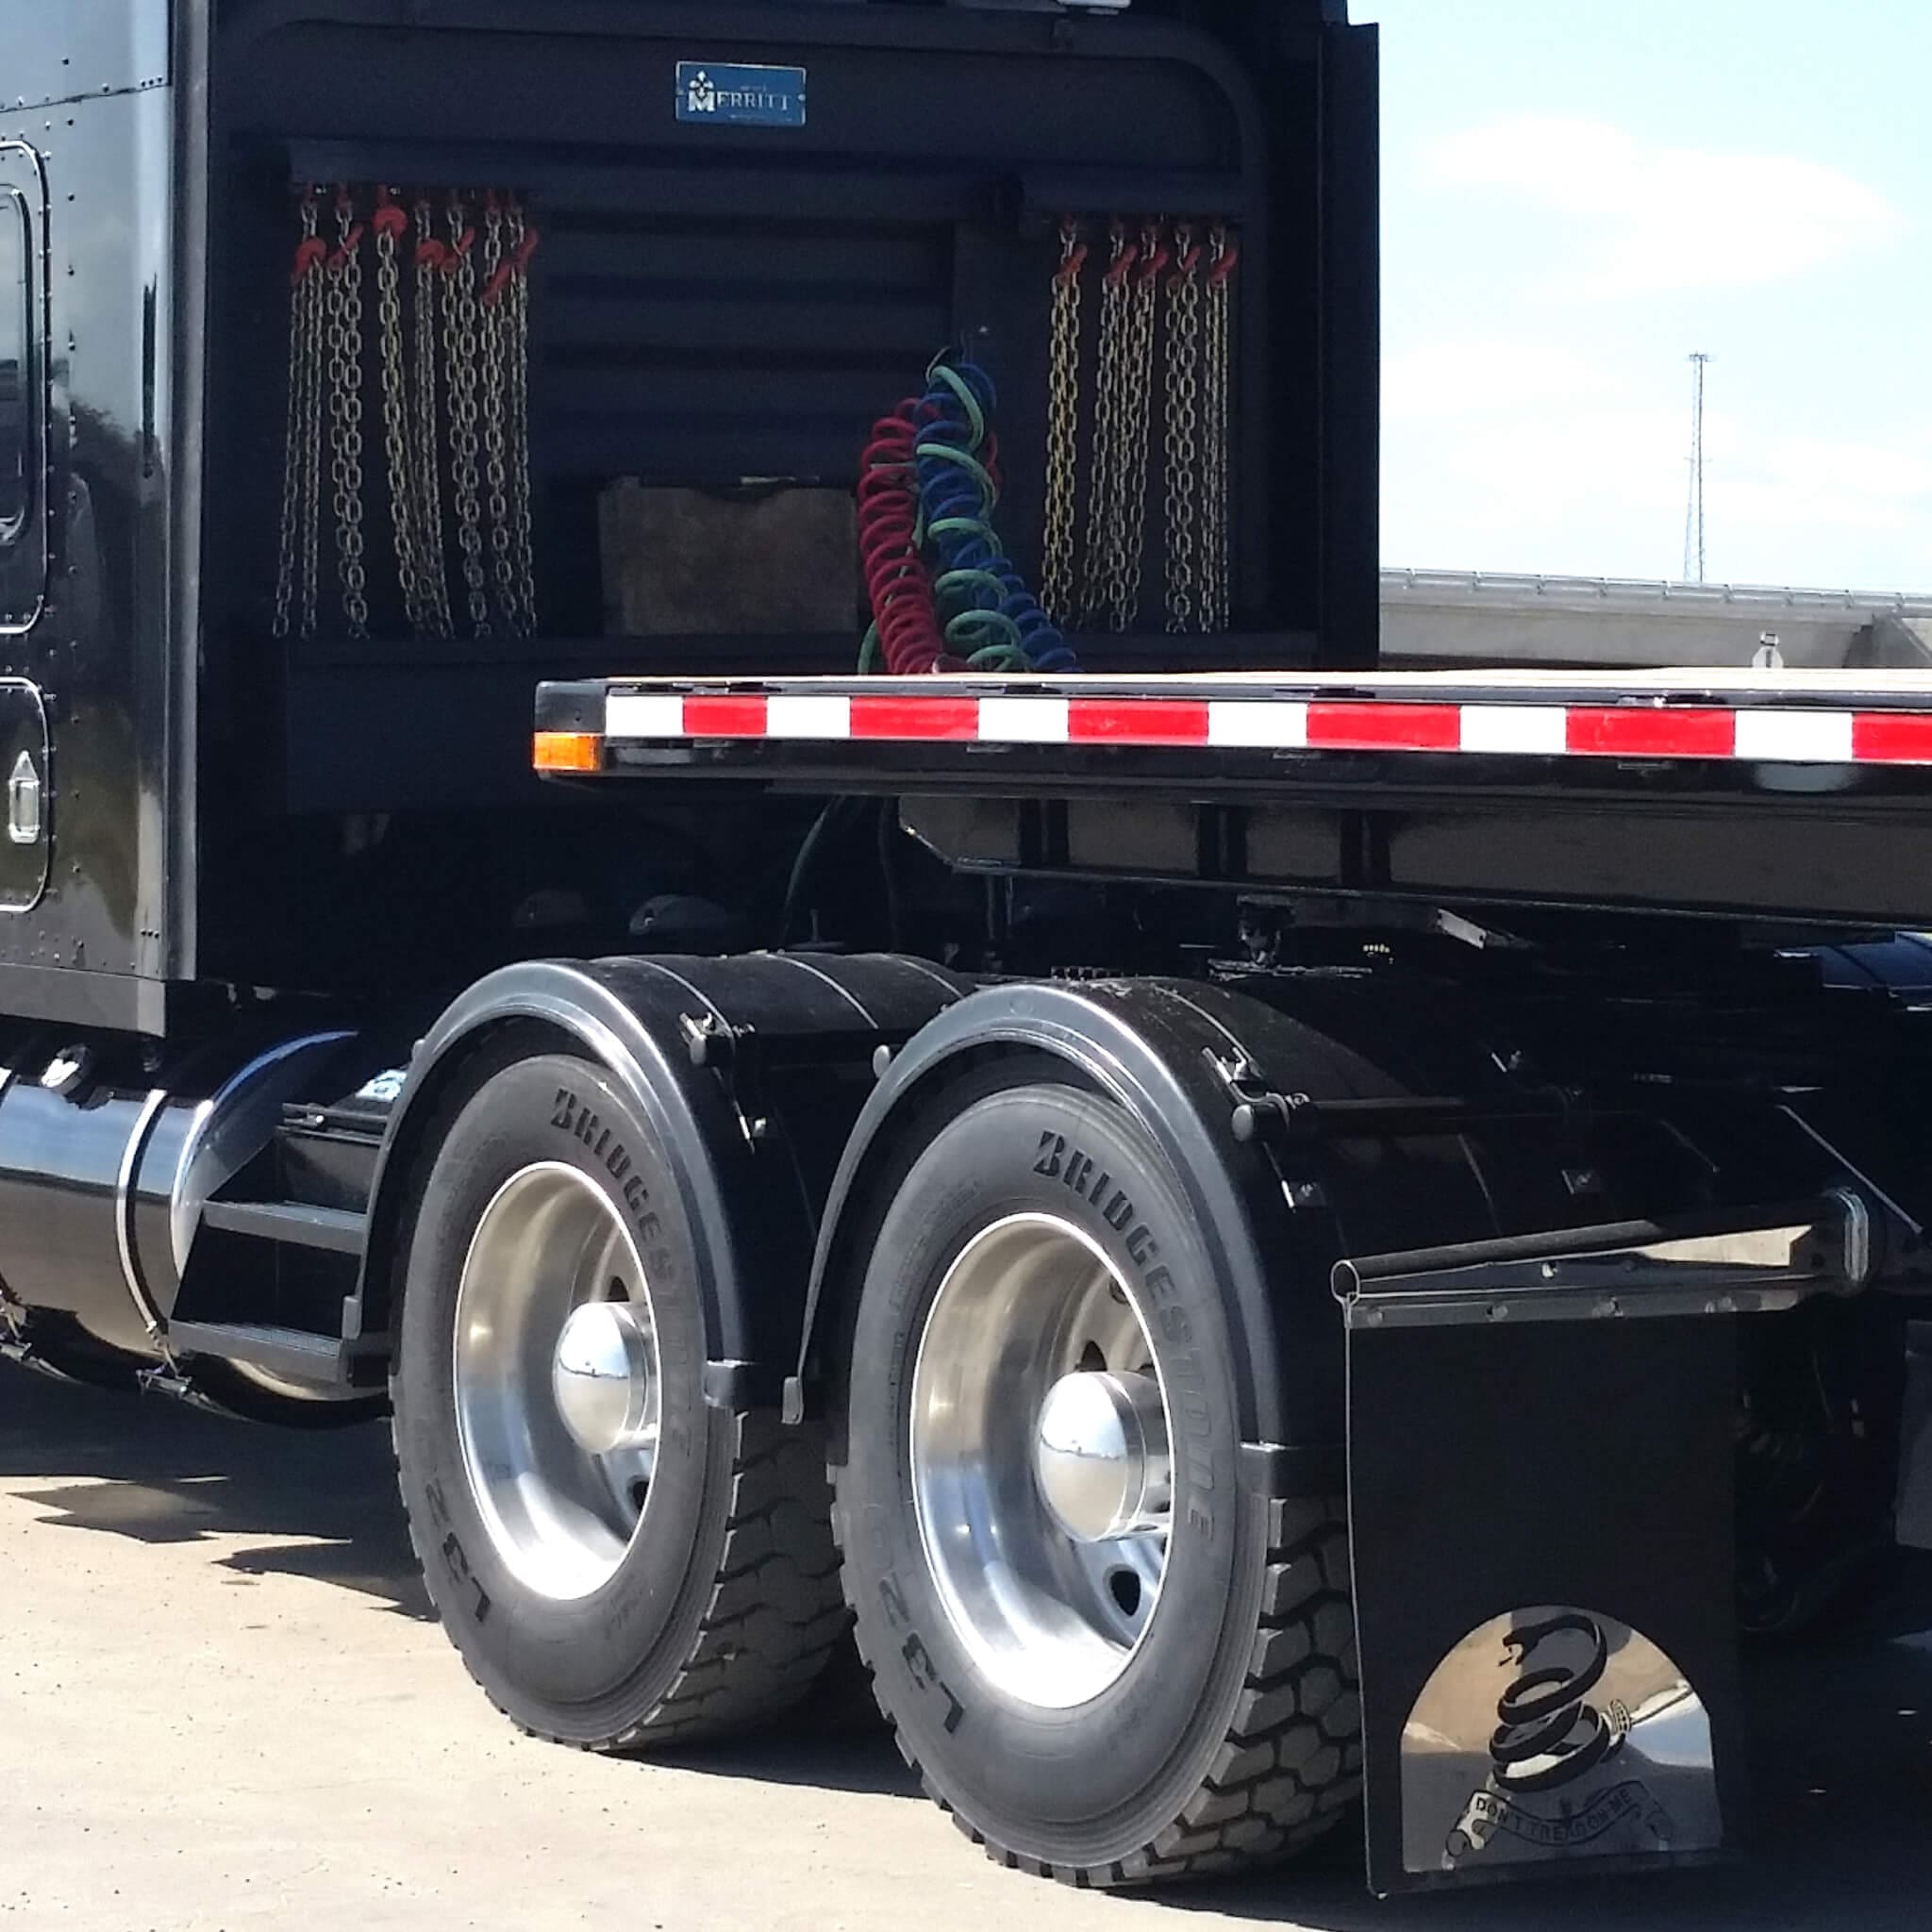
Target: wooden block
{"type": "Point", "coordinates": [778, 560]}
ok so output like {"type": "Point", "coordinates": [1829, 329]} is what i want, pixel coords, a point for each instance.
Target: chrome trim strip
{"type": "Point", "coordinates": [123, 1209]}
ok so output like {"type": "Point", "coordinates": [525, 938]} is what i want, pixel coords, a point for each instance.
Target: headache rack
{"type": "Point", "coordinates": [1770, 795]}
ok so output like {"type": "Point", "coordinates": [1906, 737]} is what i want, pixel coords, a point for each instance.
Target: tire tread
{"type": "Point", "coordinates": [1285, 1773]}
{"type": "Point", "coordinates": [776, 1614]}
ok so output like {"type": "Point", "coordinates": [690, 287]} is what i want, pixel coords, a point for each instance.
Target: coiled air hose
{"type": "Point", "coordinates": [898, 586]}
{"type": "Point", "coordinates": [930, 476]}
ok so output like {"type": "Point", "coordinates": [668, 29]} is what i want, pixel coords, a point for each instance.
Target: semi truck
{"type": "Point", "coordinates": [698, 797]}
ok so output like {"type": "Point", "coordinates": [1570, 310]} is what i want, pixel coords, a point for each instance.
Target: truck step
{"type": "Point", "coordinates": [340, 1230]}
{"type": "Point", "coordinates": [291, 1351]}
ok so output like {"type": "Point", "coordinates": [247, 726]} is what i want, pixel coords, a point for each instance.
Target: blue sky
{"type": "Point", "coordinates": [1576, 195]}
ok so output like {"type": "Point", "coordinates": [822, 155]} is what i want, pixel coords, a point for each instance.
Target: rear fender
{"type": "Point", "coordinates": [1161, 1050]}
{"type": "Point", "coordinates": [750, 1071]}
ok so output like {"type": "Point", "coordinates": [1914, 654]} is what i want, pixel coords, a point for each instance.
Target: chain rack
{"type": "Point", "coordinates": [1183, 440]}
{"type": "Point", "coordinates": [299, 551]}
{"type": "Point", "coordinates": [515, 292]}
{"type": "Point", "coordinates": [461, 347]}
{"type": "Point", "coordinates": [344, 299]}
{"type": "Point", "coordinates": [1217, 381]}
{"type": "Point", "coordinates": [495, 430]}
{"type": "Point", "coordinates": [1166, 304]}
{"type": "Point", "coordinates": [1104, 510]}
{"type": "Point", "coordinates": [450, 381]}
{"type": "Point", "coordinates": [1136, 408]}
{"type": "Point", "coordinates": [425, 468]}
{"type": "Point", "coordinates": [1062, 428]}
{"type": "Point", "coordinates": [389, 224]}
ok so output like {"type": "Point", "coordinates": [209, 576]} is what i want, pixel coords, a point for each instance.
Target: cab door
{"type": "Point", "coordinates": [24, 452]}
{"type": "Point", "coordinates": [23, 387]}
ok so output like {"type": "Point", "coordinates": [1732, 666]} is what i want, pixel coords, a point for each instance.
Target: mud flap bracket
{"type": "Point", "coordinates": [1539, 1443]}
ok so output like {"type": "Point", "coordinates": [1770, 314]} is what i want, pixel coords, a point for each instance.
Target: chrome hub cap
{"type": "Point", "coordinates": [602, 1376]}
{"type": "Point", "coordinates": [556, 1379]}
{"type": "Point", "coordinates": [1039, 1440]}
{"type": "Point", "coordinates": [1100, 1456]}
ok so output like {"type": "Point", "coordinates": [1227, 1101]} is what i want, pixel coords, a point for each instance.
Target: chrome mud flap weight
{"type": "Point", "coordinates": [1596, 1747]}
{"type": "Point", "coordinates": [1539, 1445]}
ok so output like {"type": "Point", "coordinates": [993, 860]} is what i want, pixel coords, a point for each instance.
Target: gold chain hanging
{"type": "Point", "coordinates": [1144, 303]}
{"type": "Point", "coordinates": [304, 289]}
{"type": "Point", "coordinates": [405, 498]}
{"type": "Point", "coordinates": [460, 361]}
{"type": "Point", "coordinates": [494, 350]}
{"type": "Point", "coordinates": [1217, 378]}
{"type": "Point", "coordinates": [315, 358]}
{"type": "Point", "coordinates": [426, 462]}
{"type": "Point", "coordinates": [345, 410]}
{"type": "Point", "coordinates": [1062, 429]}
{"type": "Point", "coordinates": [1100, 564]}
{"type": "Point", "coordinates": [1181, 444]}
{"type": "Point", "coordinates": [523, 242]}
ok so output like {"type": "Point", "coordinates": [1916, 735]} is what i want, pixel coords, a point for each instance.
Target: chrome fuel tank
{"type": "Point", "coordinates": [106, 1163]}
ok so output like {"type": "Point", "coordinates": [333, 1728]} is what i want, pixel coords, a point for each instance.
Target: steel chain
{"type": "Point", "coordinates": [315, 369]}
{"type": "Point", "coordinates": [1062, 429]}
{"type": "Point", "coordinates": [494, 346]}
{"type": "Point", "coordinates": [1181, 442]}
{"type": "Point", "coordinates": [1144, 304]}
{"type": "Point", "coordinates": [1100, 563]}
{"type": "Point", "coordinates": [426, 462]}
{"type": "Point", "coordinates": [294, 454]}
{"type": "Point", "coordinates": [459, 309]}
{"type": "Point", "coordinates": [404, 494]}
{"type": "Point", "coordinates": [1217, 416]}
{"type": "Point", "coordinates": [345, 407]}
{"type": "Point", "coordinates": [523, 239]}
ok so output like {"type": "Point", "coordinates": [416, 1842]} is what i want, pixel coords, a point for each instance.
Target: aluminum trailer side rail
{"type": "Point", "coordinates": [1787, 796]}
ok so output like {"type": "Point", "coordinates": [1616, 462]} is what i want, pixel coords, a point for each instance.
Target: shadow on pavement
{"type": "Point", "coordinates": [147, 1467]}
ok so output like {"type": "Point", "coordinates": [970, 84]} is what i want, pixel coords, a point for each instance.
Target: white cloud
{"type": "Point", "coordinates": [1501, 455]}
{"type": "Point", "coordinates": [1806, 483]}
{"type": "Point", "coordinates": [1648, 217]}
{"type": "Point", "coordinates": [1475, 376]}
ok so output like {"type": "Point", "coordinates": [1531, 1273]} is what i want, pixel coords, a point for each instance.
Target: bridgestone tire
{"type": "Point", "coordinates": [1232, 1736]}
{"type": "Point", "coordinates": [724, 1606]}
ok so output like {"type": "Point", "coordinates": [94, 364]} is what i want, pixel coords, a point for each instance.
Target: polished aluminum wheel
{"type": "Point", "coordinates": [556, 1379]}
{"type": "Point", "coordinates": [1040, 1435]}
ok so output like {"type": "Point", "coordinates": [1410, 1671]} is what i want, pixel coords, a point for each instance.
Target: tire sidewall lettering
{"type": "Point", "coordinates": [578, 1117]}
{"type": "Point", "coordinates": [599, 1145]}
{"type": "Point", "coordinates": [1140, 1223]}
{"type": "Point", "coordinates": [1115, 1220]}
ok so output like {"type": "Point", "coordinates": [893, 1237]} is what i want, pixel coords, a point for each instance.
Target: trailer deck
{"type": "Point", "coordinates": [1792, 795]}
{"type": "Point", "coordinates": [1873, 718]}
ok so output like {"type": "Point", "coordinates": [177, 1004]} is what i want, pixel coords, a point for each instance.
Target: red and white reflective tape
{"type": "Point", "coordinates": [1762, 734]}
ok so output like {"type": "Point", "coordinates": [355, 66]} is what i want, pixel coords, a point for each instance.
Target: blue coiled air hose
{"type": "Point", "coordinates": [996, 623]}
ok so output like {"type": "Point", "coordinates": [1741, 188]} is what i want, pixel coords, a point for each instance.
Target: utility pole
{"type": "Point", "coordinates": [1693, 509]}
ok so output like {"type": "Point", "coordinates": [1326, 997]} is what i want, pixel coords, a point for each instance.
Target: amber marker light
{"type": "Point", "coordinates": [567, 751]}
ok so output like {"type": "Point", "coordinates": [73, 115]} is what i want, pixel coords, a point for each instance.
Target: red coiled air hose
{"type": "Point", "coordinates": [897, 582]}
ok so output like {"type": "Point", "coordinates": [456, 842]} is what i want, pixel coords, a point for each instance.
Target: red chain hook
{"type": "Point", "coordinates": [517, 264]}
{"type": "Point", "coordinates": [388, 219]}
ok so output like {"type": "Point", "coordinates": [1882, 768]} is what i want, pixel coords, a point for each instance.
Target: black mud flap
{"type": "Point", "coordinates": [1541, 1518]}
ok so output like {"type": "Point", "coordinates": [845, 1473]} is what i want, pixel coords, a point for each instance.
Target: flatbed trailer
{"type": "Point", "coordinates": [1261, 1235]}
{"type": "Point", "coordinates": [1708, 823]}
{"type": "Point", "coordinates": [1788, 794]}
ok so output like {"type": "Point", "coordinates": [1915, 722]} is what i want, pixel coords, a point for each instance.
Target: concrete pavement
{"type": "Point", "coordinates": [223, 1704]}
